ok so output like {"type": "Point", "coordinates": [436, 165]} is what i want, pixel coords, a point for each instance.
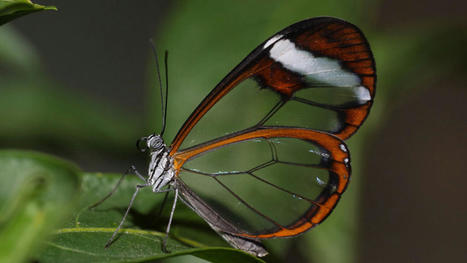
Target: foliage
{"type": "Point", "coordinates": [12, 9]}
{"type": "Point", "coordinates": [83, 238]}
{"type": "Point", "coordinates": [37, 192]}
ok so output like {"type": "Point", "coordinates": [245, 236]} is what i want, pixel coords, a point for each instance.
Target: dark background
{"type": "Point", "coordinates": [411, 189]}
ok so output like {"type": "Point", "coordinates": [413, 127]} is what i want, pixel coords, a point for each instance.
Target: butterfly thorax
{"type": "Point", "coordinates": [160, 170]}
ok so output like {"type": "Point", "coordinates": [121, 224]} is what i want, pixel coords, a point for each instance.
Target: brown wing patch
{"type": "Point", "coordinates": [271, 74]}
{"type": "Point", "coordinates": [344, 42]}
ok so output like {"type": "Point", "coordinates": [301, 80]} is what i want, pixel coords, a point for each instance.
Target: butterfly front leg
{"type": "Point", "coordinates": [138, 188]}
{"type": "Point", "coordinates": [135, 171]}
{"type": "Point", "coordinates": [131, 170]}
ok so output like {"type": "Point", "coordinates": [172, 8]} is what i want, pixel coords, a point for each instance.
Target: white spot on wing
{"type": "Point", "coordinates": [343, 148]}
{"type": "Point", "coordinates": [320, 69]}
{"type": "Point", "coordinates": [271, 41]}
{"type": "Point", "coordinates": [363, 94]}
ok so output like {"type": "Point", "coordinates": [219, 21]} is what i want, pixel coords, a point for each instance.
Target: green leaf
{"type": "Point", "coordinates": [83, 238]}
{"type": "Point", "coordinates": [12, 9]}
{"type": "Point", "coordinates": [37, 192]}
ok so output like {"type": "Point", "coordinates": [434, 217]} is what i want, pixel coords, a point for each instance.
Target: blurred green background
{"type": "Point", "coordinates": [78, 83]}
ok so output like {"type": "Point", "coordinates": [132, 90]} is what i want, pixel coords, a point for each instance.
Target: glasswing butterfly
{"type": "Point", "coordinates": [281, 168]}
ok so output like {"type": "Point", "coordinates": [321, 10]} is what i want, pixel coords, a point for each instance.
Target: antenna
{"type": "Point", "coordinates": [163, 101]}
{"type": "Point", "coordinates": [166, 59]}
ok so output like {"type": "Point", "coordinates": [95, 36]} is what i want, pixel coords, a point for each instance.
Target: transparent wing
{"type": "Point", "coordinates": [316, 74]}
{"type": "Point", "coordinates": [271, 182]}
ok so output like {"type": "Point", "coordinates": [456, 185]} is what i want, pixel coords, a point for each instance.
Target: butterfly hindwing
{"type": "Point", "coordinates": [253, 181]}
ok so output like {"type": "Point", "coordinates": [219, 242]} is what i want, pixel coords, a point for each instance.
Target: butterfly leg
{"type": "Point", "coordinates": [138, 187]}
{"type": "Point", "coordinates": [133, 170]}
{"type": "Point", "coordinates": [164, 242]}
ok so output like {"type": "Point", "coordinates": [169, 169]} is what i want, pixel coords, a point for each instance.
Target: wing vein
{"type": "Point", "coordinates": [247, 205]}
{"type": "Point", "coordinates": [293, 194]}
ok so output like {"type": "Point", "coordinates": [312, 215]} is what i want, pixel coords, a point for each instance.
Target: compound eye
{"type": "Point", "coordinates": [142, 144]}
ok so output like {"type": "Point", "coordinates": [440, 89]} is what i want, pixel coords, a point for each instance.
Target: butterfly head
{"type": "Point", "coordinates": [153, 143]}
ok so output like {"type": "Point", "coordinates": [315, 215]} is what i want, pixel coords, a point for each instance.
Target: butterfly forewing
{"type": "Point", "coordinates": [316, 74]}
